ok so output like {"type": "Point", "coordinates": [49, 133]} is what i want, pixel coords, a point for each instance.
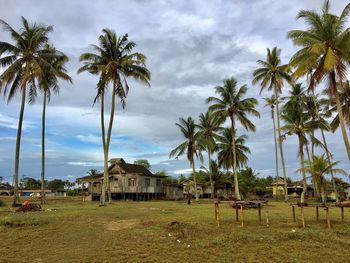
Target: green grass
{"type": "Point", "coordinates": [139, 232]}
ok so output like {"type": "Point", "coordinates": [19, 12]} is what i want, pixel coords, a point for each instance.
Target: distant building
{"type": "Point", "coordinates": [127, 181]}
{"type": "Point", "coordinates": [294, 189]}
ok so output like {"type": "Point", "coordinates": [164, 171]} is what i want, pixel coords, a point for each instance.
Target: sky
{"type": "Point", "coordinates": [191, 47]}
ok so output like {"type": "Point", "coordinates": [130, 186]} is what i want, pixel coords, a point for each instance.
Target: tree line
{"type": "Point", "coordinates": [323, 56]}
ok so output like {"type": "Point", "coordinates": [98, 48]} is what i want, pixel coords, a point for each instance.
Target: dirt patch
{"type": "Point", "coordinates": [122, 224]}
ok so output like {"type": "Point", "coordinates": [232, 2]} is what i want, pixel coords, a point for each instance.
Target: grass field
{"type": "Point", "coordinates": [73, 231]}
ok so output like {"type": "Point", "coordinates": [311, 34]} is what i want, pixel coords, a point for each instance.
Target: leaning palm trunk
{"type": "Point", "coordinates": [16, 200]}
{"type": "Point", "coordinates": [342, 123]}
{"type": "Point", "coordinates": [234, 161]}
{"type": "Point", "coordinates": [43, 150]}
{"type": "Point", "coordinates": [276, 151]}
{"type": "Point", "coordinates": [301, 153]}
{"type": "Point", "coordinates": [330, 163]}
{"type": "Point", "coordinates": [210, 174]}
{"type": "Point", "coordinates": [194, 179]}
{"type": "Point", "coordinates": [105, 154]}
{"type": "Point", "coordinates": [281, 149]}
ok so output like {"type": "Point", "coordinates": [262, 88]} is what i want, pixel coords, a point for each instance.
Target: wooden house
{"type": "Point", "coordinates": [127, 181]}
{"type": "Point", "coordinates": [294, 189]}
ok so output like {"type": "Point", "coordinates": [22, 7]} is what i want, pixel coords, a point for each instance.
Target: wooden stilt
{"type": "Point", "coordinates": [317, 214]}
{"type": "Point", "coordinates": [242, 216]}
{"type": "Point", "coordinates": [328, 219]}
{"type": "Point", "coordinates": [237, 212]}
{"type": "Point", "coordinates": [267, 218]}
{"type": "Point", "coordinates": [342, 213]}
{"type": "Point", "coordinates": [293, 212]}
{"type": "Point", "coordinates": [217, 214]}
{"type": "Point", "coordinates": [259, 211]}
{"type": "Point", "coordinates": [302, 215]}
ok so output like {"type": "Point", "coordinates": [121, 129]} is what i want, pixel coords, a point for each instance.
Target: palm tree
{"type": "Point", "coordinates": [271, 102]}
{"type": "Point", "coordinates": [272, 76]}
{"type": "Point", "coordinates": [324, 53]}
{"type": "Point", "coordinates": [224, 148]}
{"type": "Point", "coordinates": [47, 86]}
{"type": "Point", "coordinates": [114, 62]}
{"type": "Point", "coordinates": [318, 167]}
{"type": "Point", "coordinates": [230, 104]}
{"type": "Point", "coordinates": [297, 122]}
{"type": "Point", "coordinates": [24, 62]}
{"type": "Point", "coordinates": [207, 126]}
{"type": "Point", "coordinates": [191, 146]}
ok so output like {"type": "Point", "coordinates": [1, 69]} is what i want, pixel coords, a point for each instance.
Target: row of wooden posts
{"type": "Point", "coordinates": [240, 211]}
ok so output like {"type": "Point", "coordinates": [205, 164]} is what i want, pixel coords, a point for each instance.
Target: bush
{"type": "Point", "coordinates": [73, 192]}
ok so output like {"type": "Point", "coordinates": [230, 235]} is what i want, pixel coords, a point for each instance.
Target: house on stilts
{"type": "Point", "coordinates": [127, 181]}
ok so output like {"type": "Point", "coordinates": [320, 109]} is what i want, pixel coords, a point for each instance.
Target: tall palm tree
{"type": "Point", "coordinates": [192, 146]}
{"type": "Point", "coordinates": [24, 62]}
{"type": "Point", "coordinates": [318, 167]}
{"type": "Point", "coordinates": [48, 86]}
{"type": "Point", "coordinates": [324, 53]}
{"type": "Point", "coordinates": [272, 75]}
{"type": "Point", "coordinates": [208, 126]}
{"type": "Point", "coordinates": [231, 104]}
{"type": "Point", "coordinates": [297, 122]}
{"type": "Point", "coordinates": [114, 62]}
{"type": "Point", "coordinates": [271, 102]}
{"type": "Point", "coordinates": [224, 148]}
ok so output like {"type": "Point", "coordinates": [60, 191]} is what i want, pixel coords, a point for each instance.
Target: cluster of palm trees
{"type": "Point", "coordinates": [323, 58]}
{"type": "Point", "coordinates": [32, 64]}
{"type": "Point", "coordinates": [209, 135]}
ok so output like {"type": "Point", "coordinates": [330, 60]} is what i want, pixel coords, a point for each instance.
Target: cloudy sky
{"type": "Point", "coordinates": [191, 46]}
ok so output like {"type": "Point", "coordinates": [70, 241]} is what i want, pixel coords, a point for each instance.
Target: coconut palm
{"type": "Point", "coordinates": [192, 146]}
{"type": "Point", "coordinates": [297, 122]}
{"type": "Point", "coordinates": [344, 97]}
{"type": "Point", "coordinates": [24, 62]}
{"type": "Point", "coordinates": [114, 62]}
{"type": "Point", "coordinates": [271, 102]}
{"type": "Point", "coordinates": [48, 86]}
{"type": "Point", "coordinates": [272, 75]}
{"type": "Point", "coordinates": [224, 149]}
{"type": "Point", "coordinates": [318, 168]}
{"type": "Point", "coordinates": [324, 53]}
{"type": "Point", "coordinates": [231, 104]}
{"type": "Point", "coordinates": [208, 126]}
{"type": "Point", "coordinates": [215, 175]}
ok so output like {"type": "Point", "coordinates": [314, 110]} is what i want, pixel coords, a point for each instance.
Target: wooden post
{"type": "Point", "coordinates": [217, 214]}
{"type": "Point", "coordinates": [267, 218]}
{"type": "Point", "coordinates": [342, 213]}
{"type": "Point", "coordinates": [328, 219]}
{"type": "Point", "coordinates": [259, 211]}
{"type": "Point", "coordinates": [293, 212]}
{"type": "Point", "coordinates": [242, 216]}
{"type": "Point", "coordinates": [317, 214]}
{"type": "Point", "coordinates": [302, 215]}
{"type": "Point", "coordinates": [237, 212]}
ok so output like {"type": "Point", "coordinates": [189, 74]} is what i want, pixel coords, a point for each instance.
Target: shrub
{"type": "Point", "coordinates": [21, 220]}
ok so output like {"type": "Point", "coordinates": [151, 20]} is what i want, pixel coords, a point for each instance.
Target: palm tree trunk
{"type": "Point", "coordinates": [16, 200]}
{"type": "Point", "coordinates": [234, 164]}
{"type": "Point", "coordinates": [210, 174]}
{"type": "Point", "coordinates": [276, 151]}
{"type": "Point", "coordinates": [341, 120]}
{"type": "Point", "coordinates": [330, 163]}
{"type": "Point", "coordinates": [43, 150]}
{"type": "Point", "coordinates": [301, 154]}
{"type": "Point", "coordinates": [109, 134]}
{"type": "Point", "coordinates": [105, 159]}
{"type": "Point", "coordinates": [194, 179]}
{"type": "Point", "coordinates": [281, 148]}
{"type": "Point", "coordinates": [314, 184]}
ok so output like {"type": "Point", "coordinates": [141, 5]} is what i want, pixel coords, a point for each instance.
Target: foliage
{"type": "Point", "coordinates": [145, 163]}
{"type": "Point", "coordinates": [30, 183]}
{"type": "Point", "coordinates": [56, 184]}
{"type": "Point", "coordinates": [73, 192]}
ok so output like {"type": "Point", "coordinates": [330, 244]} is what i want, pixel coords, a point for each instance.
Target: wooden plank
{"type": "Point", "coordinates": [293, 212]}
{"type": "Point", "coordinates": [259, 212]}
{"type": "Point", "coordinates": [242, 215]}
{"type": "Point", "coordinates": [328, 219]}
{"type": "Point", "coordinates": [342, 213]}
{"type": "Point", "coordinates": [317, 214]}
{"type": "Point", "coordinates": [237, 219]}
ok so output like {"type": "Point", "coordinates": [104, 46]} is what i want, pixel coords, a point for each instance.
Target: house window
{"type": "Point", "coordinates": [147, 182]}
{"type": "Point", "coordinates": [131, 182]}
{"type": "Point", "coordinates": [159, 182]}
